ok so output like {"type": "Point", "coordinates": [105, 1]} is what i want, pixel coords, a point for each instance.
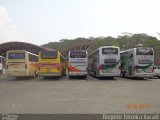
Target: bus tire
{"type": "Point", "coordinates": [112, 77]}
{"type": "Point", "coordinates": [70, 77]}
{"type": "Point", "coordinates": [124, 74]}
{"type": "Point", "coordinates": [94, 74]}
{"type": "Point", "coordinates": [85, 77]}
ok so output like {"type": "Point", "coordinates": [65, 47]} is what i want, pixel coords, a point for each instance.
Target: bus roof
{"type": "Point", "coordinates": [104, 47]}
{"type": "Point", "coordinates": [77, 50]}
{"type": "Point", "coordinates": [10, 51]}
{"type": "Point", "coordinates": [108, 47]}
{"type": "Point", "coordinates": [133, 49]}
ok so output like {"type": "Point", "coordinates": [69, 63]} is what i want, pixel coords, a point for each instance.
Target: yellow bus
{"type": "Point", "coordinates": [51, 63]}
{"type": "Point", "coordinates": [21, 63]}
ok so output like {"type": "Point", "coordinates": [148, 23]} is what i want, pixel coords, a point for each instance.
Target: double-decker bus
{"type": "Point", "coordinates": [77, 63]}
{"type": "Point", "coordinates": [20, 63]}
{"type": "Point", "coordinates": [137, 62]}
{"type": "Point", "coordinates": [2, 64]}
{"type": "Point", "coordinates": [51, 63]}
{"type": "Point", "coordinates": [105, 62]}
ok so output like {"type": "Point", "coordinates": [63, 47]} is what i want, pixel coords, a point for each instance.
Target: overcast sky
{"type": "Point", "coordinates": [43, 21]}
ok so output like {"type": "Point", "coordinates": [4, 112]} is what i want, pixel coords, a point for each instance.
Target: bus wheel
{"type": "Point", "coordinates": [95, 74]}
{"type": "Point", "coordinates": [69, 77]}
{"type": "Point", "coordinates": [85, 77]}
{"type": "Point", "coordinates": [112, 78]}
{"type": "Point", "coordinates": [124, 74]}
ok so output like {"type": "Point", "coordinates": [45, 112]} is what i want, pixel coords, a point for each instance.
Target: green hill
{"type": "Point", "coordinates": [124, 42]}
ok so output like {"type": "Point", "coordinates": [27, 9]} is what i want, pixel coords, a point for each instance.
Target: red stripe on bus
{"type": "Point", "coordinates": [74, 69]}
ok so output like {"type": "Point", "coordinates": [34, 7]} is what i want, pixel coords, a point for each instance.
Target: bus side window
{"type": "Point", "coordinates": [32, 58]}
{"type": "Point", "coordinates": [36, 58]}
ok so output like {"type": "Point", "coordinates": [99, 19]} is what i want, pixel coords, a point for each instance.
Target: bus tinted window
{"type": "Point", "coordinates": [16, 56]}
{"type": "Point", "coordinates": [144, 51]}
{"type": "Point", "coordinates": [109, 51]}
{"type": "Point", "coordinates": [33, 58]}
{"type": "Point", "coordinates": [49, 55]}
{"type": "Point", "coordinates": [77, 54]}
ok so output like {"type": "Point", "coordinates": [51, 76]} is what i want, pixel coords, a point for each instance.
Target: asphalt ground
{"type": "Point", "coordinates": [78, 95]}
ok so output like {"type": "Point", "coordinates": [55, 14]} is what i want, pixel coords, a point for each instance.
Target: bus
{"type": "Point", "coordinates": [105, 62]}
{"type": "Point", "coordinates": [2, 65]}
{"type": "Point", "coordinates": [77, 63]}
{"type": "Point", "coordinates": [51, 63]}
{"type": "Point", "coordinates": [21, 63]}
{"type": "Point", "coordinates": [137, 62]}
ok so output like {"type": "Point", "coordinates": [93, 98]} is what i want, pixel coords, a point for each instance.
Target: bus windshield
{"type": "Point", "coordinates": [144, 51]}
{"type": "Point", "coordinates": [16, 56]}
{"type": "Point", "coordinates": [109, 50]}
{"type": "Point", "coordinates": [77, 54]}
{"type": "Point", "coordinates": [49, 54]}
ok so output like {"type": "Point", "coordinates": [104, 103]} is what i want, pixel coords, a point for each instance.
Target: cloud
{"type": "Point", "coordinates": [8, 30]}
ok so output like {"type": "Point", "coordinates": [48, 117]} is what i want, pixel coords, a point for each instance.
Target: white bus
{"type": "Point", "coordinates": [105, 62]}
{"type": "Point", "coordinates": [2, 64]}
{"type": "Point", "coordinates": [77, 63]}
{"type": "Point", "coordinates": [21, 63]}
{"type": "Point", "coordinates": [137, 62]}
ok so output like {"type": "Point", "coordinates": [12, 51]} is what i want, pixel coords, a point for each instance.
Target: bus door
{"type": "Point", "coordinates": [130, 67]}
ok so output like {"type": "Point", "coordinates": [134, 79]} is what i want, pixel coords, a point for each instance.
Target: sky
{"type": "Point", "coordinates": [43, 21]}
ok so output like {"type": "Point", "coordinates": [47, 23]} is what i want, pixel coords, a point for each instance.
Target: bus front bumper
{"type": "Point", "coordinates": [146, 75]}
{"type": "Point", "coordinates": [77, 73]}
{"type": "Point", "coordinates": [17, 74]}
{"type": "Point", "coordinates": [50, 74]}
{"type": "Point", "coordinates": [109, 74]}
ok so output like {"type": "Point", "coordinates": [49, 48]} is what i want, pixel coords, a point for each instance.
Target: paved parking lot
{"type": "Point", "coordinates": [63, 95]}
